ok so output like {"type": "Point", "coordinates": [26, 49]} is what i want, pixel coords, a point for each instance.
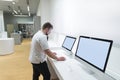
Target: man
{"type": "Point", "coordinates": [39, 52]}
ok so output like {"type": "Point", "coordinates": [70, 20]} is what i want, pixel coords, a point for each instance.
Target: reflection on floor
{"type": "Point", "coordinates": [16, 66]}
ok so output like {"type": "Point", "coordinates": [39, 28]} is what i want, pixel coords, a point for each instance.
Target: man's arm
{"type": "Point", "coordinates": [52, 55]}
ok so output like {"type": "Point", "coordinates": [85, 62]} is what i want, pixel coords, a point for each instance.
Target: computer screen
{"type": "Point", "coordinates": [94, 51]}
{"type": "Point", "coordinates": [68, 42]}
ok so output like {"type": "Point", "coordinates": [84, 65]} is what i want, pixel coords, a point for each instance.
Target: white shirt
{"type": "Point", "coordinates": [38, 45]}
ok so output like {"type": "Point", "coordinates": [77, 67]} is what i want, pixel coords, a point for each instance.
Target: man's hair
{"type": "Point", "coordinates": [47, 25]}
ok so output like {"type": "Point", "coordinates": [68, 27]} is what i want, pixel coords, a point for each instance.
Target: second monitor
{"type": "Point", "coordinates": [68, 42]}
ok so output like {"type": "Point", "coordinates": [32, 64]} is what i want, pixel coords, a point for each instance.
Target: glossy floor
{"type": "Point", "coordinates": [16, 66]}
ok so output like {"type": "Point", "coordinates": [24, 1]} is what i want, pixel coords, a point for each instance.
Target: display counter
{"type": "Point", "coordinates": [6, 46]}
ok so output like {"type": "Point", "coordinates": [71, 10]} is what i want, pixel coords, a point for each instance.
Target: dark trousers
{"type": "Point", "coordinates": [41, 68]}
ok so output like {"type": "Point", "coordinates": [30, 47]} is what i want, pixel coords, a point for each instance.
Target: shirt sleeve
{"type": "Point", "coordinates": [43, 43]}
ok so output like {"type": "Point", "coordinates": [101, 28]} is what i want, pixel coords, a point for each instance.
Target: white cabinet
{"type": "Point", "coordinates": [6, 46]}
{"type": "Point", "coordinates": [17, 37]}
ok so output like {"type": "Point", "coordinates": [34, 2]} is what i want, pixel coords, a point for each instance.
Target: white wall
{"type": "Point", "coordinates": [97, 18]}
{"type": "Point", "coordinates": [44, 11]}
{"type": "Point", "coordinates": [1, 22]}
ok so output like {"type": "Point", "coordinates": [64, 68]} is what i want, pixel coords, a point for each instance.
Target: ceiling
{"type": "Point", "coordinates": [20, 5]}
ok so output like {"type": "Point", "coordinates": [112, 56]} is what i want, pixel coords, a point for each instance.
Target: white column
{"type": "Point", "coordinates": [1, 22]}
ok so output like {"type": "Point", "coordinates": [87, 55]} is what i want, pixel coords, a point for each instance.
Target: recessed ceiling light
{"type": "Point", "coordinates": [28, 8]}
{"type": "Point", "coordinates": [10, 0]}
{"type": "Point", "coordinates": [6, 0]}
{"type": "Point", "coordinates": [21, 15]}
{"type": "Point", "coordinates": [15, 11]}
{"type": "Point", "coordinates": [29, 13]}
{"type": "Point", "coordinates": [13, 2]}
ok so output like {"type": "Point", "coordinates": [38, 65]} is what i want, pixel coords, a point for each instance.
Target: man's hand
{"type": "Point", "coordinates": [60, 58]}
{"type": "Point", "coordinates": [53, 55]}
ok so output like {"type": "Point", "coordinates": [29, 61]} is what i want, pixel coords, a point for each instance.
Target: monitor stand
{"type": "Point", "coordinates": [98, 76]}
{"type": "Point", "coordinates": [68, 53]}
{"type": "Point", "coordinates": [96, 73]}
{"type": "Point", "coordinates": [88, 70]}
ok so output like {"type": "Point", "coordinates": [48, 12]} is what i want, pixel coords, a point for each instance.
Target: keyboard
{"type": "Point", "coordinates": [73, 68]}
{"type": "Point", "coordinates": [62, 53]}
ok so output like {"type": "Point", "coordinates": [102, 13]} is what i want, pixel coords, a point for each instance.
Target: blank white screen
{"type": "Point", "coordinates": [68, 43]}
{"type": "Point", "coordinates": [93, 51]}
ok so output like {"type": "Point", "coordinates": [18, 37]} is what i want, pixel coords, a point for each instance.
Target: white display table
{"type": "Point", "coordinates": [6, 46]}
{"type": "Point", "coordinates": [72, 69]}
